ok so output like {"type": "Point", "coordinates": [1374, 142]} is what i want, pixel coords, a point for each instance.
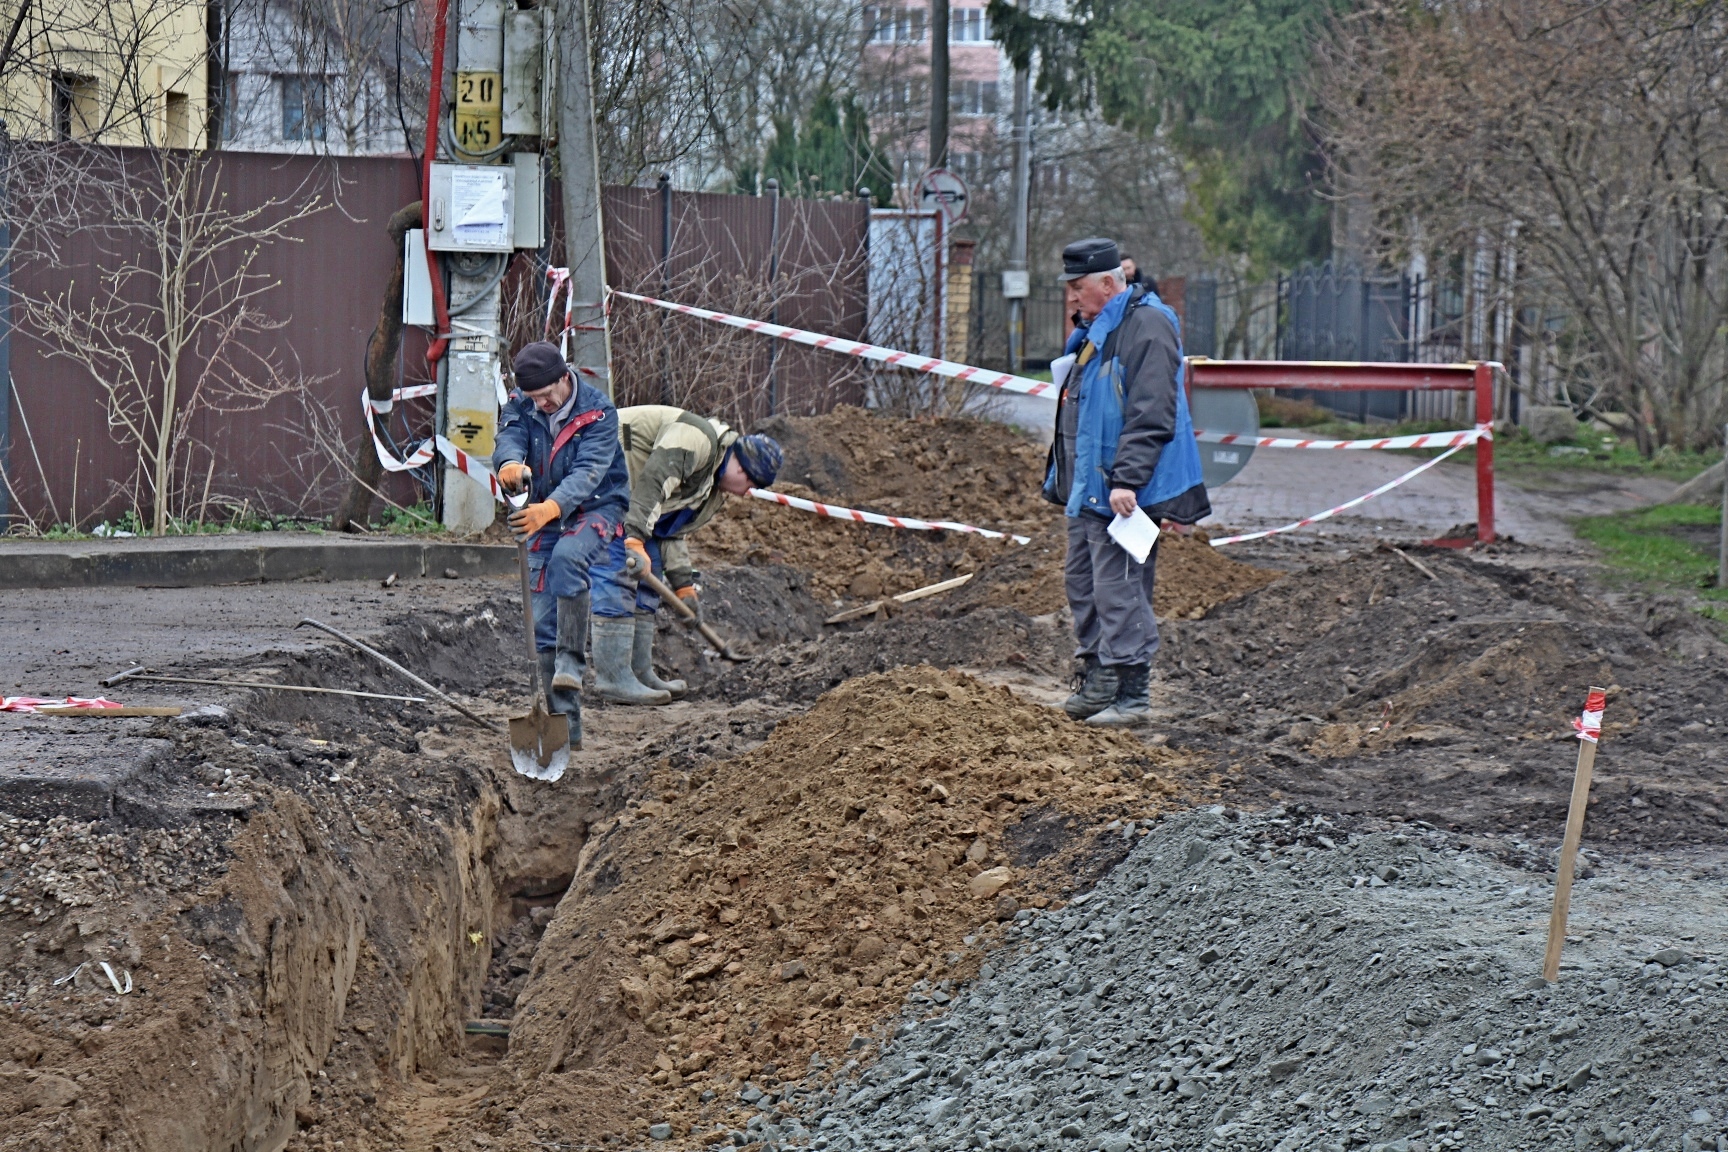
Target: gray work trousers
{"type": "Point", "coordinates": [1110, 594]}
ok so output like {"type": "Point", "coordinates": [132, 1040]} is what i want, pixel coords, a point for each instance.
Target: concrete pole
{"type": "Point", "coordinates": [938, 84]}
{"type": "Point", "coordinates": [1017, 265]}
{"type": "Point", "coordinates": [579, 164]}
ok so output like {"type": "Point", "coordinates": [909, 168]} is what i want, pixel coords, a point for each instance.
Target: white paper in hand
{"type": "Point", "coordinates": [1059, 369]}
{"type": "Point", "coordinates": [1136, 534]}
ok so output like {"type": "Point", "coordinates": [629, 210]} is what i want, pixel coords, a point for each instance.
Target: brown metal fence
{"type": "Point", "coordinates": [289, 456]}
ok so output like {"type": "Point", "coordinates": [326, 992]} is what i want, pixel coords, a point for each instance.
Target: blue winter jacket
{"type": "Point", "coordinates": [1129, 432]}
{"type": "Point", "coordinates": [582, 468]}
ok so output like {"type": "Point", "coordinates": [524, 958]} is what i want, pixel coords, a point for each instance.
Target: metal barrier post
{"type": "Point", "coordinates": [1484, 454]}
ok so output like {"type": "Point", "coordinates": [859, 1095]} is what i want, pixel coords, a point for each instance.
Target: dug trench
{"type": "Point", "coordinates": [726, 902]}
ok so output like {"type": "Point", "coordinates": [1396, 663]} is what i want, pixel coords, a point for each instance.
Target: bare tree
{"type": "Point", "coordinates": [1595, 133]}
{"type": "Point", "coordinates": [170, 322]}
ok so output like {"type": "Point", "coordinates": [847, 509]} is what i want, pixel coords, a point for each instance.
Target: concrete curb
{"type": "Point", "coordinates": [80, 565]}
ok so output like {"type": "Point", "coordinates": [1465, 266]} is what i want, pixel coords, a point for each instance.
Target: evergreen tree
{"type": "Point", "coordinates": [1224, 80]}
{"type": "Point", "coordinates": [826, 155]}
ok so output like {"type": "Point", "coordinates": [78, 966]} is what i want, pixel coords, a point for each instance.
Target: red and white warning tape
{"type": "Point", "coordinates": [1589, 725]}
{"type": "Point", "coordinates": [1007, 381]}
{"type": "Point", "coordinates": [472, 466]}
{"type": "Point", "coordinates": [32, 703]}
{"type": "Point", "coordinates": [862, 517]}
{"type": "Point", "coordinates": [1344, 507]}
{"type": "Point", "coordinates": [1424, 440]}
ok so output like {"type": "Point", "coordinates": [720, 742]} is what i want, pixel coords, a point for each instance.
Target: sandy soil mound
{"type": "Point", "coordinates": [971, 471]}
{"type": "Point", "coordinates": [755, 914]}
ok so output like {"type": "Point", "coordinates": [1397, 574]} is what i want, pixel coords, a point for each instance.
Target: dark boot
{"type": "Point", "coordinates": [572, 641]}
{"type": "Point", "coordinates": [1133, 704]}
{"type": "Point", "coordinates": [1097, 691]}
{"type": "Point", "coordinates": [565, 701]}
{"type": "Point", "coordinates": [614, 642]}
{"type": "Point", "coordinates": [642, 659]}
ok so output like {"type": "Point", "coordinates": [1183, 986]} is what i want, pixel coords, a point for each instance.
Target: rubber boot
{"type": "Point", "coordinates": [1096, 693]}
{"type": "Point", "coordinates": [614, 641]}
{"type": "Point", "coordinates": [642, 659]}
{"type": "Point", "coordinates": [564, 701]}
{"type": "Point", "coordinates": [1133, 704]}
{"type": "Point", "coordinates": [572, 641]}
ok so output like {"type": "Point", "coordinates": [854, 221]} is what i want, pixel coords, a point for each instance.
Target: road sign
{"type": "Point", "coordinates": [940, 189]}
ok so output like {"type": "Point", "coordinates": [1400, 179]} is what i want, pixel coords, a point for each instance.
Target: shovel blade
{"type": "Point", "coordinates": [540, 744]}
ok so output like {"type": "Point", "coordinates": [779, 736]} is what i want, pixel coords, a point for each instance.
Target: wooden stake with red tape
{"type": "Point", "coordinates": [1589, 729]}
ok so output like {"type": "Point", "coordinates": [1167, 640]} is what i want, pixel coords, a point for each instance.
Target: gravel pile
{"type": "Point", "coordinates": [1276, 982]}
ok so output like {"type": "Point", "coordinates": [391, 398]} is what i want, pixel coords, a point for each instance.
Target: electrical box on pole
{"type": "Point", "coordinates": [524, 71]}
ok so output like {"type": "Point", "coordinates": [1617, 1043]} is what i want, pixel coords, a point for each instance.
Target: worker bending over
{"type": "Point", "coordinates": [682, 467]}
{"type": "Point", "coordinates": [1124, 439]}
{"type": "Point", "coordinates": [559, 436]}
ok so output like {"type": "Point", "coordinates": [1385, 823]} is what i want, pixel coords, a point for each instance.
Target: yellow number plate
{"type": "Point", "coordinates": [479, 111]}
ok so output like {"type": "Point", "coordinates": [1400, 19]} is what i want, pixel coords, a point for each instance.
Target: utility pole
{"type": "Point", "coordinates": [1016, 278]}
{"type": "Point", "coordinates": [938, 84]}
{"type": "Point", "coordinates": [579, 161]}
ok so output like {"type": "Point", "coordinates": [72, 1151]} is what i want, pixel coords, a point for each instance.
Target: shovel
{"type": "Point", "coordinates": [634, 566]}
{"type": "Point", "coordinates": [539, 741]}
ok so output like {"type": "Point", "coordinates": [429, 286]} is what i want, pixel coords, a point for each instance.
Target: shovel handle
{"type": "Point", "coordinates": [684, 611]}
{"type": "Point", "coordinates": [528, 619]}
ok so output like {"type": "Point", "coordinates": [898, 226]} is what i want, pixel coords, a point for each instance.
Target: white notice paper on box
{"type": "Point", "coordinates": [477, 203]}
{"type": "Point", "coordinates": [1136, 534]}
{"type": "Point", "coordinates": [1059, 369]}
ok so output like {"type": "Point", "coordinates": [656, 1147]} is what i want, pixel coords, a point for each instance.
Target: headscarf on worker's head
{"type": "Point", "coordinates": [760, 456]}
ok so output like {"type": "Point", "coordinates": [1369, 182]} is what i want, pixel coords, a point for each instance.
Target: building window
{"type": "Point", "coordinates": [974, 98]}
{"type": "Point", "coordinates": [884, 25]}
{"type": "Point", "coordinates": [968, 26]}
{"type": "Point", "coordinates": [969, 166]}
{"type": "Point", "coordinates": [302, 108]}
{"type": "Point", "coordinates": [75, 106]}
{"type": "Point", "coordinates": [177, 121]}
{"type": "Point", "coordinates": [230, 112]}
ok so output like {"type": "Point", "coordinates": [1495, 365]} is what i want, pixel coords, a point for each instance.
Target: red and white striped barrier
{"type": "Point", "coordinates": [1006, 381]}
{"type": "Point", "coordinates": [1589, 725]}
{"type": "Point", "coordinates": [476, 469]}
{"type": "Point", "coordinates": [862, 517]}
{"type": "Point", "coordinates": [33, 703]}
{"type": "Point", "coordinates": [1424, 440]}
{"type": "Point", "coordinates": [1344, 507]}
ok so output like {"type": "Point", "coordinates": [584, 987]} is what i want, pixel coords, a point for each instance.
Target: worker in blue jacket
{"type": "Point", "coordinates": [1124, 440]}
{"type": "Point", "coordinates": [559, 435]}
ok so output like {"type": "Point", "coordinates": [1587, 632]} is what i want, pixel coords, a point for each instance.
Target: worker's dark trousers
{"type": "Point", "coordinates": [1110, 594]}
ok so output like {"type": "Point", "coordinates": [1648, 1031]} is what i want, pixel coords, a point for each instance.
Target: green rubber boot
{"type": "Point", "coordinates": [642, 659]}
{"type": "Point", "coordinates": [614, 645]}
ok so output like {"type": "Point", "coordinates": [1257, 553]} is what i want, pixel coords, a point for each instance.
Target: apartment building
{"type": "Point", "coordinates": [897, 72]}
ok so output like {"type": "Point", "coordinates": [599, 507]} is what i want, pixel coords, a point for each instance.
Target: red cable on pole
{"type": "Point", "coordinates": [434, 99]}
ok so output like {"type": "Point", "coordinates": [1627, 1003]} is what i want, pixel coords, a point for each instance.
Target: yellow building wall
{"type": "Point", "coordinates": [129, 72]}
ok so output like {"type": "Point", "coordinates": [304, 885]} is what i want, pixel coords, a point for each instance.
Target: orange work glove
{"type": "Point", "coordinates": [688, 594]}
{"type": "Point", "coordinates": [525, 522]}
{"type": "Point", "coordinates": [514, 476]}
{"type": "Point", "coordinates": [636, 559]}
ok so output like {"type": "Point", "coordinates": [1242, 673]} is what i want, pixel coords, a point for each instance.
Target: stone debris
{"type": "Point", "coordinates": [1232, 986]}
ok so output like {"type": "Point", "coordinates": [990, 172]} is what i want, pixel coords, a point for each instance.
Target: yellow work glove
{"type": "Point", "coordinates": [514, 476]}
{"type": "Point", "coordinates": [525, 522]}
{"type": "Point", "coordinates": [636, 559]}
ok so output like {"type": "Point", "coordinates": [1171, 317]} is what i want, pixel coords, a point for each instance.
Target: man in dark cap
{"type": "Point", "coordinates": [1124, 440]}
{"type": "Point", "coordinates": [558, 436]}
{"type": "Point", "coordinates": [682, 469]}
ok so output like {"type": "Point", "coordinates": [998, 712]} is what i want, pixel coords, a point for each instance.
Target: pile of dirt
{"type": "Point", "coordinates": [749, 917]}
{"type": "Point", "coordinates": [1366, 685]}
{"type": "Point", "coordinates": [971, 471]}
